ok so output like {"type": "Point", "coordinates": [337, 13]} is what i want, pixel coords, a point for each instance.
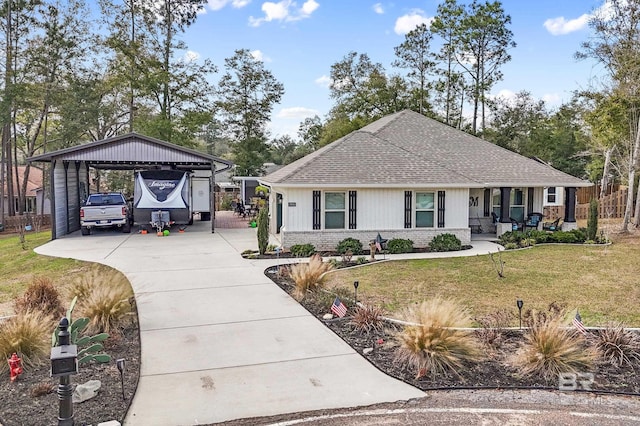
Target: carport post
{"type": "Point", "coordinates": [212, 196]}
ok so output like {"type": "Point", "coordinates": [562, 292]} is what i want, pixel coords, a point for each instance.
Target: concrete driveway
{"type": "Point", "coordinates": [220, 341]}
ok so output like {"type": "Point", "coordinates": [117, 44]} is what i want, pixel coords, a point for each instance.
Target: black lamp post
{"type": "Point", "coordinates": [355, 287]}
{"type": "Point", "coordinates": [64, 363]}
{"type": "Point", "coordinates": [520, 303]}
{"type": "Point", "coordinates": [120, 364]}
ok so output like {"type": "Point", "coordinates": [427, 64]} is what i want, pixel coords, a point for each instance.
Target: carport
{"type": "Point", "coordinates": [69, 172]}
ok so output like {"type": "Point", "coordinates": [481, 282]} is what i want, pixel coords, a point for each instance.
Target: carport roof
{"type": "Point", "coordinates": [133, 150]}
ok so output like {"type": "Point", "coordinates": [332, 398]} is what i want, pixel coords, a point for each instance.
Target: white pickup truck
{"type": "Point", "coordinates": [105, 210]}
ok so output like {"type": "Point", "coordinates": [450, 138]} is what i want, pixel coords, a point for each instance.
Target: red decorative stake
{"type": "Point", "coordinates": [15, 366]}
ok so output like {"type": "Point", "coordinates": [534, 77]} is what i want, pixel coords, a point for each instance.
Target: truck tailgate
{"type": "Point", "coordinates": [100, 213]}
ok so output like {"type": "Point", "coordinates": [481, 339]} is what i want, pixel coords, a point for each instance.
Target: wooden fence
{"type": "Point", "coordinates": [609, 206]}
{"type": "Point", "coordinates": [37, 222]}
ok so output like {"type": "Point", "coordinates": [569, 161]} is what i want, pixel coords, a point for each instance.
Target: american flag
{"type": "Point", "coordinates": [577, 323]}
{"type": "Point", "coordinates": [378, 246]}
{"type": "Point", "coordinates": [338, 308]}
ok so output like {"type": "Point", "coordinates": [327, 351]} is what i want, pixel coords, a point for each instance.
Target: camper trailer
{"type": "Point", "coordinates": [162, 191]}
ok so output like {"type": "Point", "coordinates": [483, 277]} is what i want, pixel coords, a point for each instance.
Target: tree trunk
{"type": "Point", "coordinates": [633, 163]}
{"type": "Point", "coordinates": [605, 173]}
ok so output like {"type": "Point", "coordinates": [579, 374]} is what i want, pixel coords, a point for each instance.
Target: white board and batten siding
{"type": "Point", "coordinates": [378, 210]}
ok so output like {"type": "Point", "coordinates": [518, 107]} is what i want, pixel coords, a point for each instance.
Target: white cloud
{"type": "Point", "coordinates": [219, 4]}
{"type": "Point", "coordinates": [552, 99]}
{"type": "Point", "coordinates": [259, 56]}
{"type": "Point", "coordinates": [409, 22]}
{"type": "Point", "coordinates": [323, 81]}
{"type": "Point", "coordinates": [191, 56]}
{"type": "Point", "coordinates": [284, 11]}
{"type": "Point", "coordinates": [308, 8]}
{"type": "Point", "coordinates": [508, 95]}
{"type": "Point", "coordinates": [297, 113]}
{"type": "Point", "coordinates": [377, 8]}
{"type": "Point", "coordinates": [560, 26]}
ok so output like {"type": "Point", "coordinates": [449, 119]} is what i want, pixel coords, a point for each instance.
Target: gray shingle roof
{"type": "Point", "coordinates": [409, 149]}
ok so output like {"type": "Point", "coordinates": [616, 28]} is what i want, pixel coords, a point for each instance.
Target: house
{"type": "Point", "coordinates": [34, 193]}
{"type": "Point", "coordinates": [408, 176]}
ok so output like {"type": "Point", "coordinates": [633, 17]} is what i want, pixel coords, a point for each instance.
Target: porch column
{"type": "Point", "coordinates": [505, 199]}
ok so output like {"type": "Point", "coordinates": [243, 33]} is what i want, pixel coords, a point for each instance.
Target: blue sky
{"type": "Point", "coordinates": [298, 41]}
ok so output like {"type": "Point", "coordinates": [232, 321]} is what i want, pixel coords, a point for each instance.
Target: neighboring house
{"type": "Point", "coordinates": [408, 176]}
{"type": "Point", "coordinates": [34, 193]}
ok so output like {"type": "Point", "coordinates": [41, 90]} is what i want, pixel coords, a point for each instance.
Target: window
{"type": "Point", "coordinates": [551, 195]}
{"type": "Point", "coordinates": [516, 208]}
{"type": "Point", "coordinates": [425, 207]}
{"type": "Point", "coordinates": [496, 201]}
{"type": "Point", "coordinates": [334, 210]}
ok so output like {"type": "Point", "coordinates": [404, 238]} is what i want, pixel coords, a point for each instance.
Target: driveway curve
{"type": "Point", "coordinates": [219, 340]}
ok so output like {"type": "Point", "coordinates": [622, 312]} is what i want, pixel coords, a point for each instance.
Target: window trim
{"type": "Point", "coordinates": [344, 210]}
{"type": "Point", "coordinates": [433, 210]}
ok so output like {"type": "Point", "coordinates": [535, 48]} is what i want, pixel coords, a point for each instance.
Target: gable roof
{"type": "Point", "coordinates": [132, 149]}
{"type": "Point", "coordinates": [410, 150]}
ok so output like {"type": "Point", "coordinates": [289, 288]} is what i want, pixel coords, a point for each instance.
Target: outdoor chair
{"type": "Point", "coordinates": [533, 220]}
{"type": "Point", "coordinates": [551, 226]}
{"type": "Point", "coordinates": [515, 225]}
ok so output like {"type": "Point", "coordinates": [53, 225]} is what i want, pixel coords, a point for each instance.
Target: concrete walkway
{"type": "Point", "coordinates": [220, 341]}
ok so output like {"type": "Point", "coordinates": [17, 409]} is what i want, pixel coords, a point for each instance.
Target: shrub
{"type": "Point", "coordinates": [349, 244]}
{"type": "Point", "coordinates": [511, 246]}
{"type": "Point", "coordinates": [592, 220]}
{"type": "Point", "coordinates": [41, 389]}
{"type": "Point", "coordinates": [493, 328]}
{"type": "Point", "coordinates": [25, 334]}
{"type": "Point", "coordinates": [433, 346]}
{"type": "Point", "coordinates": [618, 346]}
{"type": "Point", "coordinates": [302, 250]}
{"type": "Point", "coordinates": [399, 245]}
{"type": "Point", "coordinates": [263, 230]}
{"type": "Point", "coordinates": [368, 318]}
{"type": "Point", "coordinates": [271, 248]}
{"type": "Point", "coordinates": [538, 236]}
{"type": "Point", "coordinates": [565, 237]}
{"type": "Point", "coordinates": [361, 260]}
{"type": "Point", "coordinates": [445, 242]}
{"type": "Point", "coordinates": [309, 276]}
{"type": "Point", "coordinates": [105, 298]}
{"type": "Point", "coordinates": [41, 296]}
{"type": "Point", "coordinates": [511, 237]}
{"type": "Point", "coordinates": [550, 349]}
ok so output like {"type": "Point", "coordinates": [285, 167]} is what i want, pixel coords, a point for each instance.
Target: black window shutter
{"type": "Point", "coordinates": [529, 200]}
{"type": "Point", "coordinates": [353, 198]}
{"type": "Point", "coordinates": [487, 202]}
{"type": "Point", "coordinates": [440, 209]}
{"type": "Point", "coordinates": [316, 209]}
{"type": "Point", "coordinates": [408, 197]}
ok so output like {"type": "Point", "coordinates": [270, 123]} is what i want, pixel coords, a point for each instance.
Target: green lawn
{"type": "Point", "coordinates": [18, 266]}
{"type": "Point", "coordinates": [602, 281]}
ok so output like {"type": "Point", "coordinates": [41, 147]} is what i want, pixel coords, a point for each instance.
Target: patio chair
{"type": "Point", "coordinates": [515, 225]}
{"type": "Point", "coordinates": [551, 226]}
{"type": "Point", "coordinates": [533, 220]}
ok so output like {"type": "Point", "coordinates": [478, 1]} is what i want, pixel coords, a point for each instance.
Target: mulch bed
{"type": "Point", "coordinates": [492, 372]}
{"type": "Point", "coordinates": [19, 407]}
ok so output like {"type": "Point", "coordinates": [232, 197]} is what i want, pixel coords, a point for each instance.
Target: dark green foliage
{"type": "Point", "coordinates": [349, 244]}
{"type": "Point", "coordinates": [302, 250]}
{"type": "Point", "coordinates": [445, 242]}
{"type": "Point", "coordinates": [517, 239]}
{"type": "Point", "coordinates": [263, 230]}
{"type": "Point", "coordinates": [399, 245]}
{"type": "Point", "coordinates": [592, 220]}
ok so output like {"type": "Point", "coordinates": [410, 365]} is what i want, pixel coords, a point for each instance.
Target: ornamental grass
{"type": "Point", "coordinates": [550, 348]}
{"type": "Point", "coordinates": [105, 297]}
{"type": "Point", "coordinates": [617, 346]}
{"type": "Point", "coordinates": [309, 276]}
{"type": "Point", "coordinates": [27, 334]}
{"type": "Point", "coordinates": [433, 346]}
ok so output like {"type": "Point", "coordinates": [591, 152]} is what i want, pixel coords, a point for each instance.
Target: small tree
{"type": "Point", "coordinates": [592, 220]}
{"type": "Point", "coordinates": [263, 230]}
